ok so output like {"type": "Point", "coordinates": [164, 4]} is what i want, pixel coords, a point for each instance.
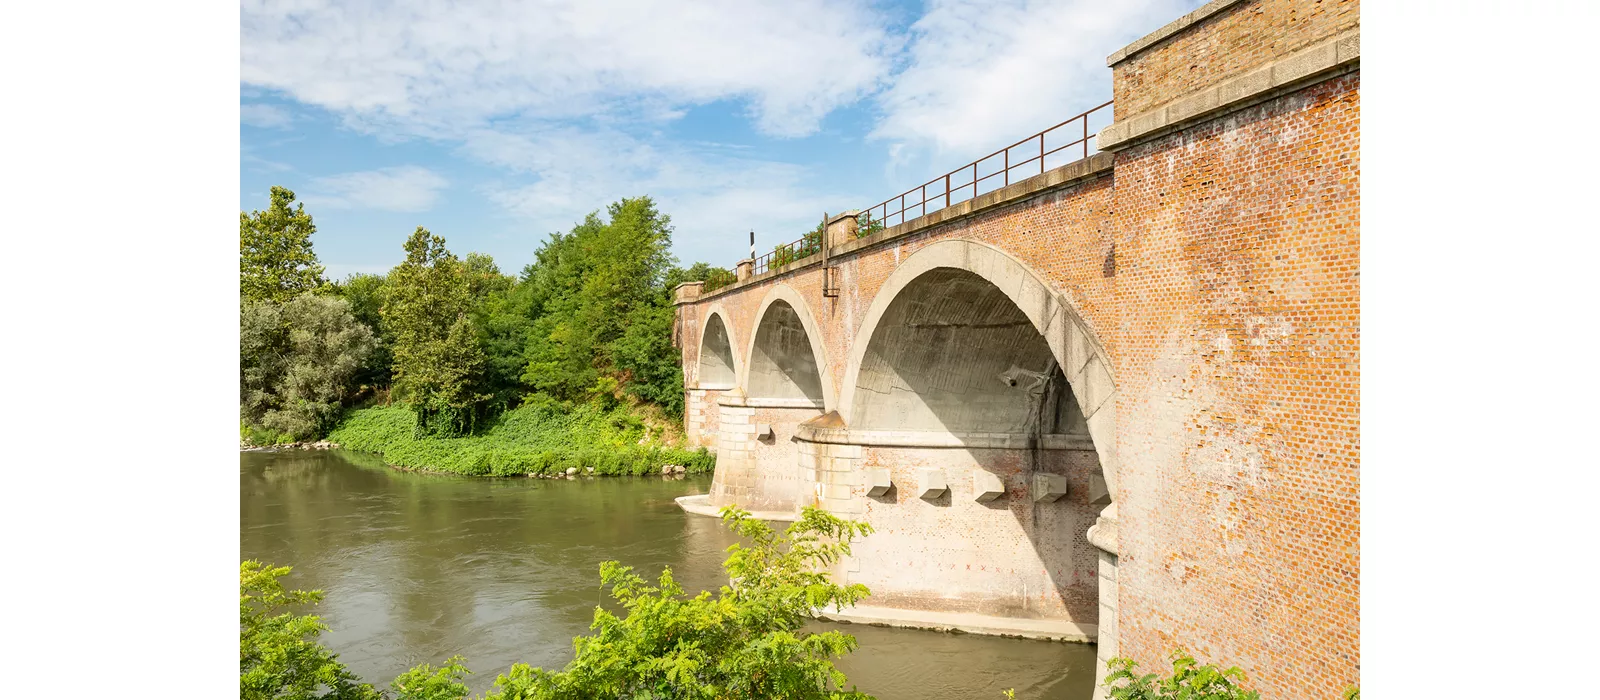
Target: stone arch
{"type": "Point", "coordinates": [1072, 344]}
{"type": "Point", "coordinates": [777, 363]}
{"type": "Point", "coordinates": [718, 367]}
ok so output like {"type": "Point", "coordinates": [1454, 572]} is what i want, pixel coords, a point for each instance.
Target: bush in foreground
{"type": "Point", "coordinates": [743, 642]}
{"type": "Point", "coordinates": [1190, 680]}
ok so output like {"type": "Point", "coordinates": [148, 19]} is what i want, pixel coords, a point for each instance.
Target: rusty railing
{"type": "Point", "coordinates": [970, 184]}
{"type": "Point", "coordinates": [807, 245]}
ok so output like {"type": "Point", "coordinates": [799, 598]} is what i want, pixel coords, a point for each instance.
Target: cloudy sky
{"type": "Point", "coordinates": [495, 123]}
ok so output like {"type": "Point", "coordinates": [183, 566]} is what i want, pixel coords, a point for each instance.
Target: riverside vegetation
{"type": "Point", "coordinates": [448, 364]}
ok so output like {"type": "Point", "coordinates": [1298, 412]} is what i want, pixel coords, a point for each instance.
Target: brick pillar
{"type": "Point", "coordinates": [842, 228]}
{"type": "Point", "coordinates": [742, 270]}
{"type": "Point", "coordinates": [694, 412]}
{"type": "Point", "coordinates": [736, 437]}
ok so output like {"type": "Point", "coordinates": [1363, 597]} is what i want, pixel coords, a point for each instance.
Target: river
{"type": "Point", "coordinates": [418, 567]}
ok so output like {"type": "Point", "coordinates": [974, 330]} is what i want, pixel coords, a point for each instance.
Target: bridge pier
{"type": "Point", "coordinates": [989, 529]}
{"type": "Point", "coordinates": [757, 459]}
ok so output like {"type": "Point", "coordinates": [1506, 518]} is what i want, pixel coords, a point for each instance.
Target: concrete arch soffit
{"type": "Point", "coordinates": [1080, 354]}
{"type": "Point", "coordinates": [796, 301]}
{"type": "Point", "coordinates": [721, 314]}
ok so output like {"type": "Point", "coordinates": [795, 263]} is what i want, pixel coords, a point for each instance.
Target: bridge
{"type": "Point", "coordinates": [1115, 399]}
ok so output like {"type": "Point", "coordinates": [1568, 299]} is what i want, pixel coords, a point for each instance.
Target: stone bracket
{"type": "Point", "coordinates": [931, 484]}
{"type": "Point", "coordinates": [1049, 488]}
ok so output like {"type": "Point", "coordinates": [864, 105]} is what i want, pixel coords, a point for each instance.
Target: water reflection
{"type": "Point", "coordinates": [418, 567]}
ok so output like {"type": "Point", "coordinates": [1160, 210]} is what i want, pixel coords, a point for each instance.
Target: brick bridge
{"type": "Point", "coordinates": [1118, 401]}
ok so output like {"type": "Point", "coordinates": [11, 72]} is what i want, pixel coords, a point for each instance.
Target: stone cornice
{"type": "Point", "coordinates": [941, 439]}
{"type": "Point", "coordinates": [1332, 57]}
{"type": "Point", "coordinates": [1172, 28]}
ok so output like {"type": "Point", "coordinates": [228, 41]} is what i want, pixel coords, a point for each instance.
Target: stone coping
{"type": "Point", "coordinates": [700, 504]}
{"type": "Point", "coordinates": [766, 402]}
{"type": "Point", "coordinates": [940, 439]}
{"type": "Point", "coordinates": [971, 623]}
{"type": "Point", "coordinates": [1330, 58]}
{"type": "Point", "coordinates": [708, 387]}
{"type": "Point", "coordinates": [1076, 172]}
{"type": "Point", "coordinates": [1170, 29]}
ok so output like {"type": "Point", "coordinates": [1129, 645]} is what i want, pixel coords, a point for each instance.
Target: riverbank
{"type": "Point", "coordinates": [539, 440]}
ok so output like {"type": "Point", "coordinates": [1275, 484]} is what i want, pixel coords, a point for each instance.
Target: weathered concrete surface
{"type": "Point", "coordinates": [700, 504]}
{"type": "Point", "coordinates": [971, 623]}
{"type": "Point", "coordinates": [1198, 290]}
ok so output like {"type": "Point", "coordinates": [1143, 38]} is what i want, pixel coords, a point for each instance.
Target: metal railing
{"type": "Point", "coordinates": [970, 183]}
{"type": "Point", "coordinates": [953, 187]}
{"type": "Point", "coordinates": [807, 245]}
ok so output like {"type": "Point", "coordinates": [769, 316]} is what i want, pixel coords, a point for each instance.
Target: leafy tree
{"type": "Point", "coordinates": [276, 261]}
{"type": "Point", "coordinates": [279, 655]}
{"type": "Point", "coordinates": [1190, 680]}
{"type": "Point", "coordinates": [438, 363]}
{"type": "Point", "coordinates": [365, 292]}
{"type": "Point", "coordinates": [297, 363]}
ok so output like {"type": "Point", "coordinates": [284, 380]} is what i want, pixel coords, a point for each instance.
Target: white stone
{"type": "Point", "coordinates": [1048, 488]}
{"type": "Point", "coordinates": [987, 486]}
{"type": "Point", "coordinates": [931, 483]}
{"type": "Point", "coordinates": [876, 481]}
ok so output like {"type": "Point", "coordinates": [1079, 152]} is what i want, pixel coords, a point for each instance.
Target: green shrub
{"type": "Point", "coordinates": [1190, 680]}
{"type": "Point", "coordinates": [279, 655]}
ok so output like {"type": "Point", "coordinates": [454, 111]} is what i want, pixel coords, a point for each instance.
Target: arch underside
{"type": "Point", "coordinates": [716, 368]}
{"type": "Point", "coordinates": [954, 353]}
{"type": "Point", "coordinates": [782, 364]}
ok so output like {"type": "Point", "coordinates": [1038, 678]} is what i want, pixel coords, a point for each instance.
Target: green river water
{"type": "Point", "coordinates": [419, 567]}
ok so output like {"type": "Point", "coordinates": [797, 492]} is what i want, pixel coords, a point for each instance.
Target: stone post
{"type": "Point", "coordinates": [842, 228]}
{"type": "Point", "coordinates": [741, 271]}
{"type": "Point", "coordinates": [687, 292]}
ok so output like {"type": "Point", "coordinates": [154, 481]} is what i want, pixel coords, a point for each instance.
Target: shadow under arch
{"type": "Point", "coordinates": [1072, 344]}
{"type": "Point", "coordinates": [718, 365]}
{"type": "Point", "coordinates": [787, 358]}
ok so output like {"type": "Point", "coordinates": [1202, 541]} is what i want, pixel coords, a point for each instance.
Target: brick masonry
{"type": "Point", "coordinates": [1217, 269]}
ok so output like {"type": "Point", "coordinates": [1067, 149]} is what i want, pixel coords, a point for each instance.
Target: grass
{"type": "Point", "coordinates": [539, 438]}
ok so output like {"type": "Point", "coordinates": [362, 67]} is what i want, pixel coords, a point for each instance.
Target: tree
{"type": "Point", "coordinates": [276, 261]}
{"type": "Point", "coordinates": [297, 363]}
{"type": "Point", "coordinates": [365, 292]}
{"type": "Point", "coordinates": [438, 363]}
{"type": "Point", "coordinates": [713, 277]}
{"type": "Point", "coordinates": [279, 655]}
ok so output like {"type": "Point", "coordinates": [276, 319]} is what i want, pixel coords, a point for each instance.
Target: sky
{"type": "Point", "coordinates": [494, 124]}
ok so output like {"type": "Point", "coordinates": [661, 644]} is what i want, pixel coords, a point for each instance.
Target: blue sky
{"type": "Point", "coordinates": [494, 124]}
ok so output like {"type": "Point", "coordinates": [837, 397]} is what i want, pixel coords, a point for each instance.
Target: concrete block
{"type": "Point", "coordinates": [1096, 386]}
{"type": "Point", "coordinates": [1099, 493]}
{"type": "Point", "coordinates": [1245, 85]}
{"type": "Point", "coordinates": [1048, 488]}
{"type": "Point", "coordinates": [1349, 46]}
{"type": "Point", "coordinates": [931, 483]}
{"type": "Point", "coordinates": [763, 431]}
{"type": "Point", "coordinates": [986, 486]}
{"type": "Point", "coordinates": [1303, 63]}
{"type": "Point", "coordinates": [876, 481]}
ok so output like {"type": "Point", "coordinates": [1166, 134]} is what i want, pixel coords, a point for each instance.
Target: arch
{"type": "Point", "coordinates": [718, 369]}
{"type": "Point", "coordinates": [784, 308]}
{"type": "Point", "coordinates": [1073, 346]}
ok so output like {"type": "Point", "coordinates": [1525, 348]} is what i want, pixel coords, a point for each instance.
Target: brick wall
{"type": "Point", "coordinates": [1229, 43]}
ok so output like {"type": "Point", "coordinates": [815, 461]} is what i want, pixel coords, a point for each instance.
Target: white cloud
{"type": "Point", "coordinates": [407, 188]}
{"type": "Point", "coordinates": [981, 75]}
{"type": "Point", "coordinates": [265, 116]}
{"type": "Point", "coordinates": [714, 199]}
{"type": "Point", "coordinates": [433, 67]}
